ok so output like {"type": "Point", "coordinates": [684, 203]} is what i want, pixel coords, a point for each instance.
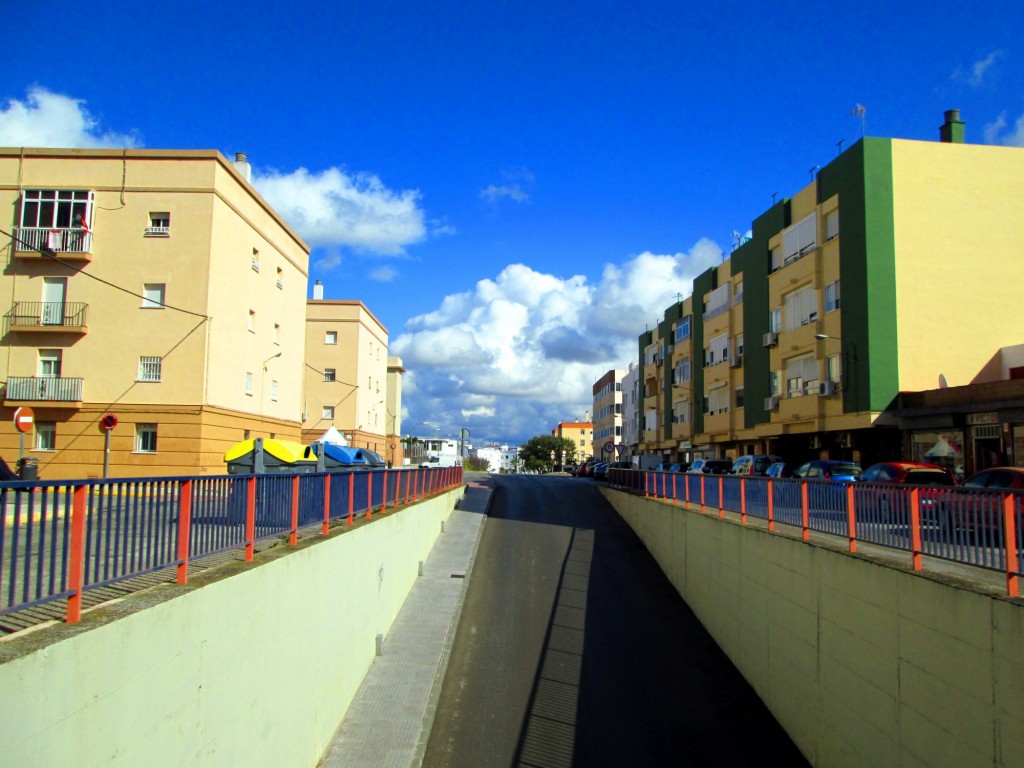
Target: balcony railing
{"type": "Point", "coordinates": [34, 240]}
{"type": "Point", "coordinates": [44, 388]}
{"type": "Point", "coordinates": [47, 315]}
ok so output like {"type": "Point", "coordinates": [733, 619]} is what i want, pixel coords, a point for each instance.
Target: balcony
{"type": "Point", "coordinates": [39, 242]}
{"type": "Point", "coordinates": [47, 317]}
{"type": "Point", "coordinates": [52, 390]}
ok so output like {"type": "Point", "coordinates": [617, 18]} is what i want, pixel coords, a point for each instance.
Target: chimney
{"type": "Point", "coordinates": [318, 291]}
{"type": "Point", "coordinates": [952, 131]}
{"type": "Point", "coordinates": [242, 166]}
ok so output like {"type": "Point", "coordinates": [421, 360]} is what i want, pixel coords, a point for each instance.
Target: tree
{"type": "Point", "coordinates": [476, 464]}
{"type": "Point", "coordinates": [538, 451]}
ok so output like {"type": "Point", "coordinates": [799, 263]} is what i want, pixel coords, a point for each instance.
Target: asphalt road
{"type": "Point", "coordinates": [574, 650]}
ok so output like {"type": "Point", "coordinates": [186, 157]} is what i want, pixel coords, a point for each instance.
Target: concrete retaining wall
{"type": "Point", "coordinates": [863, 664]}
{"type": "Point", "coordinates": [253, 669]}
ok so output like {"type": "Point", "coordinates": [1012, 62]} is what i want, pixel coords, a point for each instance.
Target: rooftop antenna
{"type": "Point", "coordinates": [860, 111]}
{"type": "Point", "coordinates": [840, 145]}
{"type": "Point", "coordinates": [774, 195]}
{"type": "Point", "coordinates": [813, 171]}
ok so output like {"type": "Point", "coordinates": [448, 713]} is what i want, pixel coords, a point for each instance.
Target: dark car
{"type": "Point", "coordinates": [977, 512]}
{"type": "Point", "coordinates": [782, 469]}
{"type": "Point", "coordinates": [832, 470]}
{"type": "Point", "coordinates": [6, 473]}
{"type": "Point", "coordinates": [753, 464]}
{"type": "Point", "coordinates": [600, 471]}
{"type": "Point", "coordinates": [710, 467]}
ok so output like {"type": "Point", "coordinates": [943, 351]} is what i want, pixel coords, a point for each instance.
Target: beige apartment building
{"type": "Point", "coordinates": [581, 433]}
{"type": "Point", "coordinates": [894, 271]}
{"type": "Point", "coordinates": [607, 393]}
{"type": "Point", "coordinates": [153, 286]}
{"type": "Point", "coordinates": [346, 375]}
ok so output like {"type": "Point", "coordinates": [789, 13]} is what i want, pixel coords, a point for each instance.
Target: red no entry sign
{"type": "Point", "coordinates": [24, 418]}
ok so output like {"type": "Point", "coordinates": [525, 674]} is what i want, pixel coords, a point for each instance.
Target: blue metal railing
{"type": "Point", "coordinates": [59, 539]}
{"type": "Point", "coordinates": [975, 527]}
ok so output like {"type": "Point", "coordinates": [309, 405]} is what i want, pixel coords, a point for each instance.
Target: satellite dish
{"type": "Point", "coordinates": [942, 381]}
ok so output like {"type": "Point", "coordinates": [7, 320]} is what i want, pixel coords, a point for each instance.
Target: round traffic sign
{"type": "Point", "coordinates": [24, 418]}
{"type": "Point", "coordinates": [109, 421]}
{"type": "Point", "coordinates": [609, 446]}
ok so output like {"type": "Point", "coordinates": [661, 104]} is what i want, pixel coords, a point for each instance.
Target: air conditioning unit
{"type": "Point", "coordinates": [736, 361]}
{"type": "Point", "coordinates": [771, 339]}
{"type": "Point", "coordinates": [771, 403]}
{"type": "Point", "coordinates": [658, 360]}
{"type": "Point", "coordinates": [827, 388]}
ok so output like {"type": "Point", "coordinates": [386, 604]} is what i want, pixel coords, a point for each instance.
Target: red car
{"type": "Point", "coordinates": [997, 478]}
{"type": "Point", "coordinates": [910, 472]}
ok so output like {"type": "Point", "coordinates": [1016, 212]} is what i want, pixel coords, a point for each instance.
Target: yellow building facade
{"type": "Point", "coordinates": [346, 375]}
{"type": "Point", "coordinates": [153, 286]}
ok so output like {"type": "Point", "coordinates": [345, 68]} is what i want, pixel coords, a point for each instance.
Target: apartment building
{"type": "Point", "coordinates": [892, 271]}
{"type": "Point", "coordinates": [581, 433]}
{"type": "Point", "coordinates": [607, 394]}
{"type": "Point", "coordinates": [346, 375]}
{"type": "Point", "coordinates": [153, 287]}
{"type": "Point", "coordinates": [630, 412]}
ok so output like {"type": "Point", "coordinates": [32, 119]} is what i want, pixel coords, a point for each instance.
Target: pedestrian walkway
{"type": "Point", "coordinates": [389, 721]}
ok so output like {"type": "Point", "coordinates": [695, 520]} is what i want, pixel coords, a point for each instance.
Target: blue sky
{"type": "Point", "coordinates": [516, 190]}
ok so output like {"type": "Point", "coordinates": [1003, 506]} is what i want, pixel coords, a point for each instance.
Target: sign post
{"type": "Point", "coordinates": [108, 422]}
{"type": "Point", "coordinates": [24, 419]}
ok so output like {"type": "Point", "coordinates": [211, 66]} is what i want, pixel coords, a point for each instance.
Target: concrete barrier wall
{"type": "Point", "coordinates": [254, 669]}
{"type": "Point", "coordinates": [863, 664]}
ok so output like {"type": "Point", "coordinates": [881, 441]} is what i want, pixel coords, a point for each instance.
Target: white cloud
{"type": "Point", "coordinates": [996, 132]}
{"type": "Point", "coordinates": [492, 193]}
{"type": "Point", "coordinates": [976, 74]}
{"type": "Point", "coordinates": [520, 352]}
{"type": "Point", "coordinates": [47, 119]}
{"type": "Point", "coordinates": [354, 211]}
{"type": "Point", "coordinates": [384, 274]}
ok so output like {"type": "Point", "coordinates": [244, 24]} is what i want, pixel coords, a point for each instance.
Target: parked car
{"type": "Point", "coordinates": [753, 464]}
{"type": "Point", "coordinates": [892, 504]}
{"type": "Point", "coordinates": [600, 471]}
{"type": "Point", "coordinates": [782, 469]}
{"type": "Point", "coordinates": [833, 470]}
{"type": "Point", "coordinates": [909, 472]}
{"type": "Point", "coordinates": [710, 467]}
{"type": "Point", "coordinates": [997, 478]}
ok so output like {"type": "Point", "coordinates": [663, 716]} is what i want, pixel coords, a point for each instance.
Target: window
{"type": "Point", "coordinates": [149, 369]}
{"type": "Point", "coordinates": [248, 382]}
{"type": "Point", "coordinates": [153, 295]}
{"type": "Point", "coordinates": [327, 412]}
{"type": "Point", "coordinates": [775, 320]}
{"type": "Point", "coordinates": [46, 436]}
{"type": "Point", "coordinates": [738, 344]}
{"type": "Point", "coordinates": [159, 225]}
{"type": "Point", "coordinates": [145, 438]}
{"type": "Point", "coordinates": [802, 376]}
{"type": "Point", "coordinates": [331, 337]}
{"type": "Point", "coordinates": [683, 329]}
{"type": "Point", "coordinates": [56, 209]}
{"type": "Point", "coordinates": [682, 371]}
{"type": "Point", "coordinates": [718, 301]}
{"type": "Point", "coordinates": [252, 321]}
{"type": "Point", "coordinates": [834, 368]}
{"type": "Point", "coordinates": [717, 350]}
{"type": "Point", "coordinates": [739, 397]}
{"type": "Point", "coordinates": [273, 390]}
{"type": "Point", "coordinates": [280, 278]}
{"type": "Point", "coordinates": [277, 333]}
{"type": "Point", "coordinates": [737, 296]}
{"type": "Point", "coordinates": [801, 307]}
{"type": "Point", "coordinates": [832, 296]}
{"type": "Point", "coordinates": [775, 383]}
{"type": "Point", "coordinates": [832, 225]}
{"type": "Point", "coordinates": [718, 400]}
{"type": "Point", "coordinates": [329, 374]}
{"type": "Point", "coordinates": [800, 238]}
{"type": "Point", "coordinates": [255, 260]}
{"type": "Point", "coordinates": [49, 363]}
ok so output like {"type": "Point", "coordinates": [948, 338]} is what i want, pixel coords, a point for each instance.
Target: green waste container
{"type": "Point", "coordinates": [28, 468]}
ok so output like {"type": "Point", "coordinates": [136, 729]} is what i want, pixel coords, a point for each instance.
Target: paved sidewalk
{"type": "Point", "coordinates": [389, 721]}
